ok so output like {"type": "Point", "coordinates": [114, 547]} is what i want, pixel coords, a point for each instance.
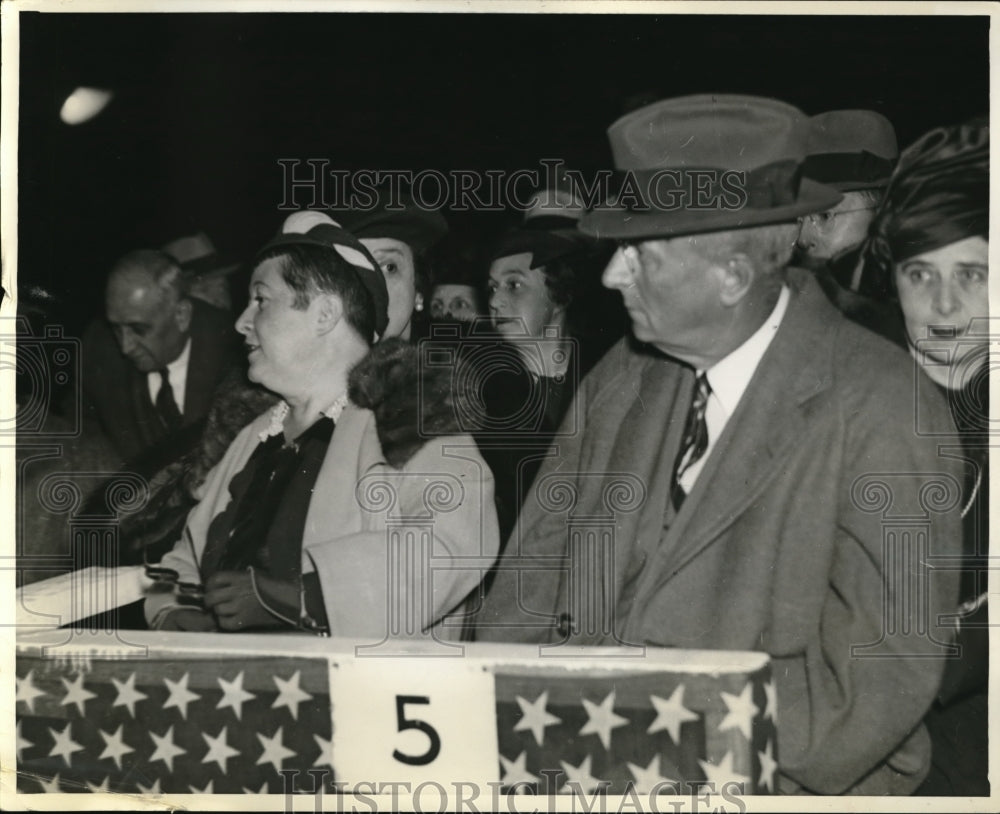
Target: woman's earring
{"type": "Point", "coordinates": [418, 303]}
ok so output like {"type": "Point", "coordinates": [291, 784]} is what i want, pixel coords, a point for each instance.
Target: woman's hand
{"type": "Point", "coordinates": [230, 595]}
{"type": "Point", "coordinates": [190, 619]}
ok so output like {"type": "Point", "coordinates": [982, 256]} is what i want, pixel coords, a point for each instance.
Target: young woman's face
{"type": "Point", "coordinates": [520, 303]}
{"type": "Point", "coordinates": [395, 258]}
{"type": "Point", "coordinates": [941, 292]}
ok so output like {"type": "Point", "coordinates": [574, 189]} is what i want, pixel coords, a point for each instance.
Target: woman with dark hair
{"type": "Point", "coordinates": [537, 279]}
{"type": "Point", "coordinates": [930, 240]}
{"type": "Point", "coordinates": [292, 528]}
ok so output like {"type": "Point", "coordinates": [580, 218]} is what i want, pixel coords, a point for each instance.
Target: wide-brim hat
{"type": "Point", "coordinates": [744, 153]}
{"type": "Point", "coordinates": [196, 255]}
{"type": "Point", "coordinates": [394, 214]}
{"type": "Point", "coordinates": [851, 150]}
{"type": "Point", "coordinates": [314, 228]}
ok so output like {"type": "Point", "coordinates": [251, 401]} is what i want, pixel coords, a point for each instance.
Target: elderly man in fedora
{"type": "Point", "coordinates": [758, 430]}
{"type": "Point", "coordinates": [853, 151]}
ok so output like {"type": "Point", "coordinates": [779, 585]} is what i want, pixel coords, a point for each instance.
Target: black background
{"type": "Point", "coordinates": [206, 104]}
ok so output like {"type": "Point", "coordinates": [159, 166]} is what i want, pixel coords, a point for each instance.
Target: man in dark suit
{"type": "Point", "coordinates": [750, 453]}
{"type": "Point", "coordinates": [150, 368]}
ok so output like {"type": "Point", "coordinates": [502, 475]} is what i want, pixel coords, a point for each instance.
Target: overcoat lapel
{"type": "Point", "coordinates": [769, 421]}
{"type": "Point", "coordinates": [353, 440]}
{"type": "Point", "coordinates": [149, 424]}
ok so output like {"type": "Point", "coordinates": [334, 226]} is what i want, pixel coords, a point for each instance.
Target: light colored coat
{"type": "Point", "coordinates": [781, 545]}
{"type": "Point", "coordinates": [445, 490]}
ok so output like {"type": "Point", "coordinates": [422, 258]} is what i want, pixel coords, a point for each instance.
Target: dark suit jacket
{"type": "Point", "coordinates": [781, 545]}
{"type": "Point", "coordinates": [117, 395]}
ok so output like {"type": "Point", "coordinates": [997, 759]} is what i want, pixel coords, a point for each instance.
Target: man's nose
{"type": "Point", "coordinates": [127, 341]}
{"type": "Point", "coordinates": [617, 273]}
{"type": "Point", "coordinates": [807, 238]}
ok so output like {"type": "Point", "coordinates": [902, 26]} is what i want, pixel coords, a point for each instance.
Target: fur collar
{"type": "Point", "coordinates": [412, 402]}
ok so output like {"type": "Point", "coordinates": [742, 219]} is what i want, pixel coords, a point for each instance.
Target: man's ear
{"type": "Point", "coordinates": [738, 274]}
{"type": "Point", "coordinates": [182, 314]}
{"type": "Point", "coordinates": [329, 312]}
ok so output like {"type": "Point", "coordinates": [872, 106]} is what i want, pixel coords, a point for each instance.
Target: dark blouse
{"type": "Point", "coordinates": [263, 523]}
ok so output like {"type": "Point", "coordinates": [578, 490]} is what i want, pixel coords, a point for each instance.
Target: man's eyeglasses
{"type": "Point", "coordinates": [824, 220]}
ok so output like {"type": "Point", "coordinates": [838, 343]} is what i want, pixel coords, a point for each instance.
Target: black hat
{"type": "Point", "coordinates": [549, 231]}
{"type": "Point", "coordinates": [395, 215]}
{"type": "Point", "coordinates": [851, 149]}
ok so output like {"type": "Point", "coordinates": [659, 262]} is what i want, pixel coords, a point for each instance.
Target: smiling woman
{"type": "Point", "coordinates": [293, 529]}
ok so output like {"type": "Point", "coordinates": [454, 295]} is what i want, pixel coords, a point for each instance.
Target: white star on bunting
{"type": "Point", "coordinates": [154, 789]}
{"type": "Point", "coordinates": [771, 707]}
{"type": "Point", "coordinates": [128, 695]}
{"type": "Point", "coordinates": [65, 746]}
{"type": "Point", "coordinates": [516, 771]}
{"type": "Point", "coordinates": [50, 786]}
{"type": "Point", "coordinates": [274, 750]}
{"type": "Point", "coordinates": [233, 695]}
{"type": "Point", "coordinates": [218, 749]}
{"type": "Point", "coordinates": [180, 695]}
{"type": "Point", "coordinates": [166, 750]}
{"type": "Point", "coordinates": [290, 694]}
{"type": "Point", "coordinates": [671, 714]}
{"type": "Point", "coordinates": [581, 776]}
{"type": "Point", "coordinates": [601, 719]}
{"type": "Point", "coordinates": [77, 694]}
{"type": "Point", "coordinates": [767, 766]}
{"type": "Point", "coordinates": [207, 790]}
{"type": "Point", "coordinates": [648, 779]}
{"type": "Point", "coordinates": [724, 773]}
{"type": "Point", "coordinates": [22, 742]}
{"type": "Point", "coordinates": [536, 717]}
{"type": "Point", "coordinates": [27, 691]}
{"type": "Point", "coordinates": [102, 787]}
{"type": "Point", "coordinates": [114, 746]}
{"type": "Point", "coordinates": [261, 790]}
{"type": "Point", "coordinates": [325, 751]}
{"type": "Point", "coordinates": [741, 711]}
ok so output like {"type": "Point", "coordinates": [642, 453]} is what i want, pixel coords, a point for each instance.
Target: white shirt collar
{"type": "Point", "coordinates": [730, 376]}
{"type": "Point", "coordinates": [177, 372]}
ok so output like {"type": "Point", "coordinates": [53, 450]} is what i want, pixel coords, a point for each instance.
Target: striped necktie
{"type": "Point", "coordinates": [695, 439]}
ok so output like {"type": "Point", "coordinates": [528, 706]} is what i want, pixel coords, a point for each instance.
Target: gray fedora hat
{"type": "Point", "coordinates": [708, 163]}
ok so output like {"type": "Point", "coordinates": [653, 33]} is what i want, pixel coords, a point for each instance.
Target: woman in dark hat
{"type": "Point", "coordinates": [399, 233]}
{"type": "Point", "coordinates": [292, 528]}
{"type": "Point", "coordinates": [930, 240]}
{"type": "Point", "coordinates": [537, 278]}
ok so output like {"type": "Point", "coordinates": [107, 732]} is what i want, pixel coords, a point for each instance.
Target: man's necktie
{"type": "Point", "coordinates": [695, 440]}
{"type": "Point", "coordinates": [165, 403]}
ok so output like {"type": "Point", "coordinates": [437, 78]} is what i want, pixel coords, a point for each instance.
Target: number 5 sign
{"type": "Point", "coordinates": [412, 720]}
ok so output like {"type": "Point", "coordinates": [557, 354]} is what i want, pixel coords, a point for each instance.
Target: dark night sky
{"type": "Point", "coordinates": [205, 105]}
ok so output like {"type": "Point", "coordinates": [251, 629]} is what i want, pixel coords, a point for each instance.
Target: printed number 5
{"type": "Point", "coordinates": [403, 723]}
